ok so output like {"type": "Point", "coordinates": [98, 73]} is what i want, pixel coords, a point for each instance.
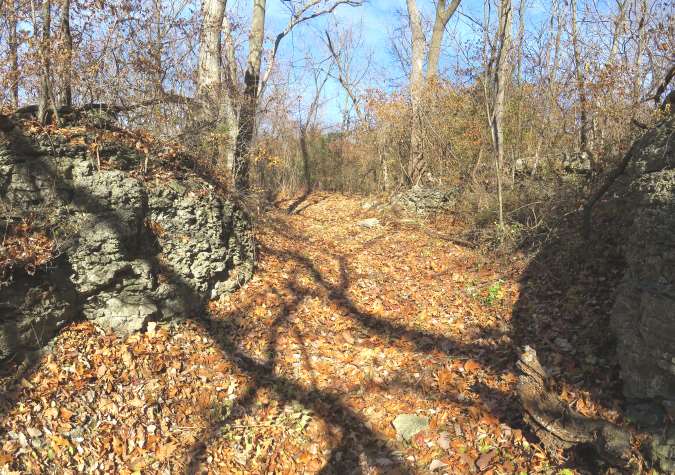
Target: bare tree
{"type": "Point", "coordinates": [343, 63]}
{"type": "Point", "coordinates": [498, 82]}
{"type": "Point", "coordinates": [416, 163]}
{"type": "Point", "coordinates": [209, 66]}
{"type": "Point", "coordinates": [229, 98]}
{"type": "Point", "coordinates": [253, 83]}
{"type": "Point", "coordinates": [520, 40]}
{"type": "Point", "coordinates": [45, 101]}
{"type": "Point", "coordinates": [584, 119]}
{"type": "Point", "coordinates": [249, 100]}
{"type": "Point", "coordinates": [444, 12]}
{"type": "Point", "coordinates": [641, 41]}
{"type": "Point", "coordinates": [319, 79]}
{"type": "Point", "coordinates": [12, 11]}
{"type": "Point", "coordinates": [67, 59]}
{"type": "Point", "coordinates": [619, 28]}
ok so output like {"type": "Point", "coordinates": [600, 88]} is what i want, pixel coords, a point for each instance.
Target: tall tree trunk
{"type": "Point", "coordinates": [416, 164]}
{"type": "Point", "coordinates": [619, 25]}
{"type": "Point", "coordinates": [157, 53]}
{"type": "Point", "coordinates": [13, 59]}
{"type": "Point", "coordinates": [249, 102]}
{"type": "Point", "coordinates": [584, 119]}
{"type": "Point", "coordinates": [45, 98]}
{"type": "Point", "coordinates": [305, 159]}
{"type": "Point", "coordinates": [556, 47]}
{"type": "Point", "coordinates": [521, 41]}
{"type": "Point", "coordinates": [639, 51]}
{"type": "Point", "coordinates": [67, 40]}
{"type": "Point", "coordinates": [443, 15]}
{"type": "Point", "coordinates": [208, 70]}
{"type": "Point", "coordinates": [502, 69]}
{"type": "Point", "coordinates": [229, 99]}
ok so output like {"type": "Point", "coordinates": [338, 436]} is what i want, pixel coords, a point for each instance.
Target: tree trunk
{"type": "Point", "coordinates": [228, 113]}
{"type": "Point", "coordinates": [208, 70]}
{"type": "Point", "coordinates": [67, 40]}
{"type": "Point", "coordinates": [558, 425]}
{"type": "Point", "coordinates": [13, 59]}
{"type": "Point", "coordinates": [639, 51]}
{"type": "Point", "coordinates": [443, 15]}
{"type": "Point", "coordinates": [305, 159]}
{"type": "Point", "coordinates": [44, 101]}
{"type": "Point", "coordinates": [585, 123]}
{"type": "Point", "coordinates": [502, 71]}
{"type": "Point", "coordinates": [619, 26]}
{"type": "Point", "coordinates": [416, 164]}
{"type": "Point", "coordinates": [521, 43]}
{"type": "Point", "coordinates": [249, 103]}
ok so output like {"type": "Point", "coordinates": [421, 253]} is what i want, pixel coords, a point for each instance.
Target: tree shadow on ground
{"type": "Point", "coordinates": [359, 445]}
{"type": "Point", "coordinates": [325, 404]}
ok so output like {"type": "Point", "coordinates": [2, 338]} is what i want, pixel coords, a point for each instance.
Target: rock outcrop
{"type": "Point", "coordinates": [643, 316]}
{"type": "Point", "coordinates": [131, 249]}
{"type": "Point", "coordinates": [424, 200]}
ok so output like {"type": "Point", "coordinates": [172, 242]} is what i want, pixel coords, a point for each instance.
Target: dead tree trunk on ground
{"type": "Point", "coordinates": [560, 427]}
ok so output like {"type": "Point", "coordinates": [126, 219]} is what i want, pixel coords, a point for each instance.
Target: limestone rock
{"type": "Point", "coordinates": [369, 223]}
{"type": "Point", "coordinates": [133, 250]}
{"type": "Point", "coordinates": [423, 200]}
{"type": "Point", "coordinates": [409, 425]}
{"type": "Point", "coordinates": [643, 316]}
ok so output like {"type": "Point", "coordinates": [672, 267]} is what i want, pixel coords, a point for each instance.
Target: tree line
{"type": "Point", "coordinates": [492, 97]}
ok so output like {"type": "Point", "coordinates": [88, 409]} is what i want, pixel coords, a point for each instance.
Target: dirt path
{"type": "Point", "coordinates": [342, 329]}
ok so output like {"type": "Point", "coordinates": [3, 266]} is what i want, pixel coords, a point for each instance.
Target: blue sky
{"type": "Point", "coordinates": [378, 20]}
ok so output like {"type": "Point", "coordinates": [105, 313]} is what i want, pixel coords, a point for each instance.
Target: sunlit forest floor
{"type": "Point", "coordinates": [303, 370]}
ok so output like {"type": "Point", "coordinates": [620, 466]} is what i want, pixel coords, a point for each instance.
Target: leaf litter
{"type": "Point", "coordinates": [341, 330]}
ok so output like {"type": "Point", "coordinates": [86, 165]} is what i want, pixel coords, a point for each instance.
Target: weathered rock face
{"type": "Point", "coordinates": [32, 310]}
{"type": "Point", "coordinates": [643, 316]}
{"type": "Point", "coordinates": [133, 250]}
{"type": "Point", "coordinates": [423, 200]}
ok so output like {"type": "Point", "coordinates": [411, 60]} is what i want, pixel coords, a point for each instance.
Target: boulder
{"type": "Point", "coordinates": [132, 249]}
{"type": "Point", "coordinates": [643, 316]}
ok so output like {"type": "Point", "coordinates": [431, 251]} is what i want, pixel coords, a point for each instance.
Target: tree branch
{"type": "Point", "coordinates": [303, 15]}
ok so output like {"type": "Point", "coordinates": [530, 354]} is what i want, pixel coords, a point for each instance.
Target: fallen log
{"type": "Point", "coordinates": [560, 427]}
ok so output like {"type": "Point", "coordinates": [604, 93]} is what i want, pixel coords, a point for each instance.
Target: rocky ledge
{"type": "Point", "coordinates": [129, 247]}
{"type": "Point", "coordinates": [643, 316]}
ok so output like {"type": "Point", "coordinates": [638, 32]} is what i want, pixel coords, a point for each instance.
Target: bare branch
{"type": "Point", "coordinates": [304, 14]}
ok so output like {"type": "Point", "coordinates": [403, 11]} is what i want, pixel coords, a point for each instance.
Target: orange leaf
{"type": "Point", "coordinates": [66, 415]}
{"type": "Point", "coordinates": [471, 366]}
{"type": "Point", "coordinates": [5, 458]}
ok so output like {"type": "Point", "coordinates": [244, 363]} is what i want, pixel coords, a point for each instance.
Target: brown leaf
{"type": "Point", "coordinates": [5, 458]}
{"type": "Point", "coordinates": [165, 451]}
{"type": "Point", "coordinates": [484, 460]}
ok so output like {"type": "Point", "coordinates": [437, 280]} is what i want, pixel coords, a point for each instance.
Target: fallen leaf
{"type": "Point", "coordinates": [165, 451]}
{"type": "Point", "coordinates": [484, 460]}
{"type": "Point", "coordinates": [471, 366]}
